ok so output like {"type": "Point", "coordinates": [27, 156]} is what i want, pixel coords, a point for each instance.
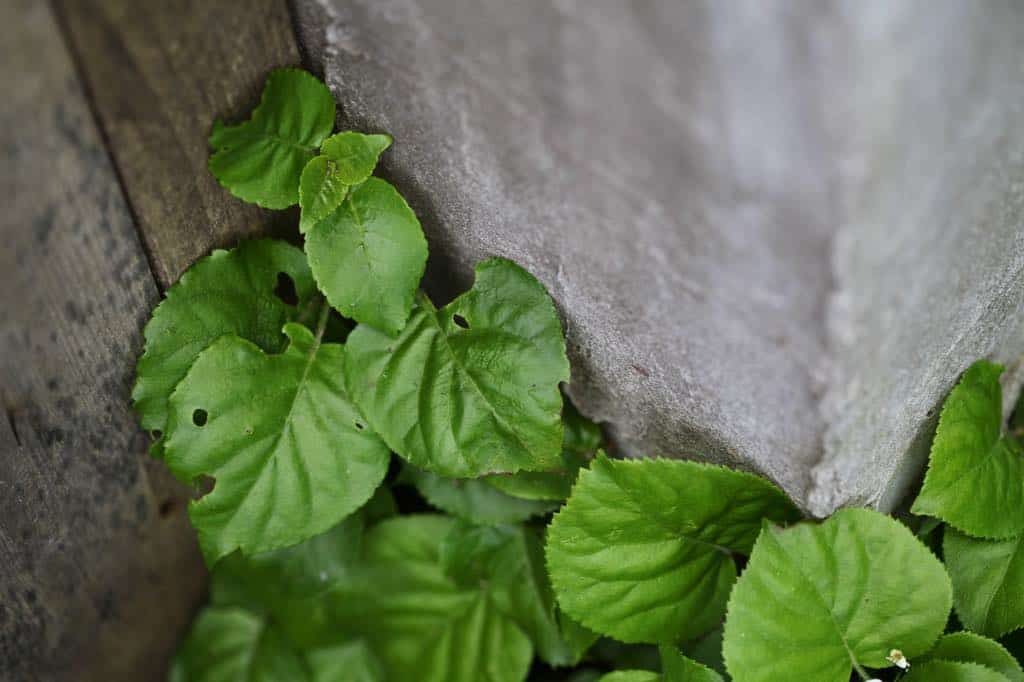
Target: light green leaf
{"type": "Point", "coordinates": [967, 647]}
{"type": "Point", "coordinates": [580, 443]}
{"type": "Point", "coordinates": [305, 570]}
{"type": "Point", "coordinates": [321, 191]}
{"type": "Point", "coordinates": [474, 500]}
{"type": "Point", "coordinates": [472, 388]}
{"type": "Point", "coordinates": [355, 154]}
{"type": "Point", "coordinates": [975, 479]}
{"type": "Point", "coordinates": [643, 549]}
{"type": "Point", "coordinates": [511, 560]}
{"type": "Point", "coordinates": [261, 160]}
{"type": "Point", "coordinates": [368, 256]}
{"type": "Point", "coordinates": [630, 676]}
{"type": "Point", "coordinates": [988, 582]}
{"type": "Point", "coordinates": [948, 671]}
{"type": "Point", "coordinates": [290, 454]}
{"type": "Point", "coordinates": [351, 662]}
{"type": "Point", "coordinates": [235, 645]}
{"type": "Point", "coordinates": [228, 292]}
{"type": "Point", "coordinates": [423, 625]}
{"type": "Point", "coordinates": [816, 601]}
{"type": "Point", "coordinates": [678, 668]}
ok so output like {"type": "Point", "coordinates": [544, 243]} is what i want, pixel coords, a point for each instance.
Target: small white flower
{"type": "Point", "coordinates": [897, 658]}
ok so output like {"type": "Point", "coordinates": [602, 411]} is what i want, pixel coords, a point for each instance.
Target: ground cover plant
{"type": "Point", "coordinates": [392, 489]}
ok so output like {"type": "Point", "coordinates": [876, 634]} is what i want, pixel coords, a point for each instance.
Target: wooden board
{"type": "Point", "coordinates": [99, 569]}
{"type": "Point", "coordinates": [159, 74]}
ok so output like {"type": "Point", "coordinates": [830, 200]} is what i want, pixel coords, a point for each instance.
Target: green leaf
{"type": "Point", "coordinates": [261, 160]}
{"type": "Point", "coordinates": [988, 582]}
{"type": "Point", "coordinates": [643, 549]}
{"type": "Point", "coordinates": [630, 676]}
{"type": "Point", "coordinates": [472, 388]}
{"type": "Point", "coordinates": [975, 479]}
{"type": "Point", "coordinates": [707, 650]}
{"type": "Point", "coordinates": [948, 671]}
{"type": "Point", "coordinates": [421, 624]}
{"type": "Point", "coordinates": [816, 601]}
{"type": "Point", "coordinates": [355, 154]}
{"type": "Point", "coordinates": [580, 443]}
{"type": "Point", "coordinates": [368, 256]}
{"type": "Point", "coordinates": [231, 644]}
{"type": "Point", "coordinates": [228, 292]}
{"type": "Point", "coordinates": [967, 647]}
{"type": "Point", "coordinates": [678, 668]}
{"type": "Point", "coordinates": [511, 560]}
{"type": "Point", "coordinates": [290, 454]}
{"type": "Point", "coordinates": [351, 662]}
{"type": "Point", "coordinates": [321, 191]}
{"type": "Point", "coordinates": [308, 569]}
{"type": "Point", "coordinates": [474, 500]}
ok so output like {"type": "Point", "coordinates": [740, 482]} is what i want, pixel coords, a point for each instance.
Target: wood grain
{"type": "Point", "coordinates": [99, 569]}
{"type": "Point", "coordinates": [159, 74]}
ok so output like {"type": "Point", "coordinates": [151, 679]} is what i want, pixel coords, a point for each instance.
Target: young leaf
{"type": "Point", "coordinates": [975, 478]}
{"type": "Point", "coordinates": [474, 500]}
{"type": "Point", "coordinates": [291, 456]}
{"type": "Point", "coordinates": [238, 645]}
{"type": "Point", "coordinates": [817, 601]}
{"type": "Point", "coordinates": [510, 559]}
{"type": "Point", "coordinates": [988, 582]}
{"type": "Point", "coordinates": [950, 671]}
{"type": "Point", "coordinates": [678, 668]}
{"type": "Point", "coordinates": [355, 154]}
{"type": "Point", "coordinates": [351, 662]}
{"type": "Point", "coordinates": [967, 647]}
{"type": "Point", "coordinates": [580, 443]}
{"type": "Point", "coordinates": [261, 160]}
{"type": "Point", "coordinates": [321, 191]}
{"type": "Point", "coordinates": [368, 256]}
{"type": "Point", "coordinates": [228, 292]}
{"type": "Point", "coordinates": [472, 388]}
{"type": "Point", "coordinates": [423, 625]}
{"type": "Point", "coordinates": [643, 549]}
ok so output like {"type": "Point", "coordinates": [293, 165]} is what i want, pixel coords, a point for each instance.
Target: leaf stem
{"type": "Point", "coordinates": [321, 323]}
{"type": "Point", "coordinates": [860, 671]}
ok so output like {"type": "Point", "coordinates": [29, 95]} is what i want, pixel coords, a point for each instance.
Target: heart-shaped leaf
{"type": "Point", "coordinates": [472, 388]}
{"type": "Point", "coordinates": [368, 256]}
{"type": "Point", "coordinates": [975, 479]}
{"type": "Point", "coordinates": [642, 551]}
{"type": "Point", "coordinates": [818, 601]}
{"type": "Point", "coordinates": [290, 454]}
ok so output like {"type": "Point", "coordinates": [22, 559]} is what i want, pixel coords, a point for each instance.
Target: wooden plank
{"type": "Point", "coordinates": [99, 569]}
{"type": "Point", "coordinates": [159, 73]}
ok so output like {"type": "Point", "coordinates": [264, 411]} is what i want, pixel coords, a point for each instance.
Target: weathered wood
{"type": "Point", "coordinates": [99, 569]}
{"type": "Point", "coordinates": [159, 74]}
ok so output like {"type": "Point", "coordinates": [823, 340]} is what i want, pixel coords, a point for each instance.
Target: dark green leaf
{"type": "Point", "coordinates": [348, 662]}
{"type": "Point", "coordinates": [678, 668]}
{"type": "Point", "coordinates": [988, 582]}
{"type": "Point", "coordinates": [474, 500]}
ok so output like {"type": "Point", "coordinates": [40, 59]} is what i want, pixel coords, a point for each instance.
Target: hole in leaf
{"type": "Point", "coordinates": [156, 434]}
{"type": "Point", "coordinates": [199, 417]}
{"type": "Point", "coordinates": [167, 507]}
{"type": "Point", "coordinates": [460, 321]}
{"type": "Point", "coordinates": [285, 289]}
{"type": "Point", "coordinates": [360, 426]}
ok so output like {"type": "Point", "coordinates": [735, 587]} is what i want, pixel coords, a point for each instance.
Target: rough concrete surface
{"type": "Point", "coordinates": [660, 166]}
{"type": "Point", "coordinates": [777, 232]}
